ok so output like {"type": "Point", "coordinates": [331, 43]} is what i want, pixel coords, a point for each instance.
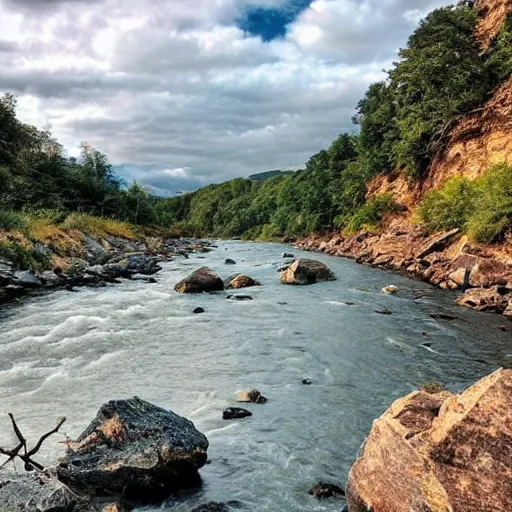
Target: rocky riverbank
{"type": "Point", "coordinates": [447, 260]}
{"type": "Point", "coordinates": [98, 262]}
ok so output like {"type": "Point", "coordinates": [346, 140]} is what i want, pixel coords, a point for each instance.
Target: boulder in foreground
{"type": "Point", "coordinates": [41, 492]}
{"type": "Point", "coordinates": [135, 448]}
{"type": "Point", "coordinates": [202, 280]}
{"type": "Point", "coordinates": [439, 452]}
{"type": "Point", "coordinates": [305, 271]}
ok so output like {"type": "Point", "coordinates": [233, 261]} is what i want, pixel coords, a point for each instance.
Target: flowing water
{"type": "Point", "coordinates": [67, 353]}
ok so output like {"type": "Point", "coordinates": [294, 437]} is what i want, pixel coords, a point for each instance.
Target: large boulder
{"type": "Point", "coordinates": [304, 271]}
{"type": "Point", "coordinates": [40, 492]}
{"type": "Point", "coordinates": [439, 452]}
{"type": "Point", "coordinates": [135, 448]}
{"type": "Point", "coordinates": [494, 299]}
{"type": "Point", "coordinates": [202, 280]}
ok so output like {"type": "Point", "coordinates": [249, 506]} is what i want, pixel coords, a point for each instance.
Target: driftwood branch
{"type": "Point", "coordinates": [26, 455]}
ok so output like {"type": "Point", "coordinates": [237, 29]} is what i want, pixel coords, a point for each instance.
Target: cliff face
{"type": "Point", "coordinates": [493, 14]}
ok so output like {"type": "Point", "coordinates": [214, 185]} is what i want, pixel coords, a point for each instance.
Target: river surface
{"type": "Point", "coordinates": [64, 354]}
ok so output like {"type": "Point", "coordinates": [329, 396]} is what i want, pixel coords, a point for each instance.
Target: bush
{"type": "Point", "coordinates": [13, 221]}
{"type": "Point", "coordinates": [481, 208]}
{"type": "Point", "coordinates": [449, 207]}
{"type": "Point", "coordinates": [16, 248]}
{"type": "Point", "coordinates": [369, 215]}
{"type": "Point", "coordinates": [491, 219]}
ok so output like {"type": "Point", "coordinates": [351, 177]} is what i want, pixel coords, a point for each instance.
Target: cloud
{"type": "Point", "coordinates": [179, 95]}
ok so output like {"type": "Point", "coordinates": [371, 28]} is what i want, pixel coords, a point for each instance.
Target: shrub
{"type": "Point", "coordinates": [369, 215]}
{"type": "Point", "coordinates": [491, 219]}
{"type": "Point", "coordinates": [449, 207]}
{"type": "Point", "coordinates": [98, 226]}
{"type": "Point", "coordinates": [13, 221]}
{"type": "Point", "coordinates": [16, 248]}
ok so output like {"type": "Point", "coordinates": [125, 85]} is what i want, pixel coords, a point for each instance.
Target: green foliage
{"type": "Point", "coordinates": [13, 221]}
{"type": "Point", "coordinates": [500, 53]}
{"type": "Point", "coordinates": [440, 76]}
{"type": "Point", "coordinates": [482, 208]}
{"type": "Point", "coordinates": [450, 207]}
{"type": "Point", "coordinates": [24, 256]}
{"type": "Point", "coordinates": [369, 215]}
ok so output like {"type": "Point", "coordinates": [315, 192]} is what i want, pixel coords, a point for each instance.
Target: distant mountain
{"type": "Point", "coordinates": [268, 174]}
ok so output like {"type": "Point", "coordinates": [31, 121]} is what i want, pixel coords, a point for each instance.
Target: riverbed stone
{"type": "Point", "coordinates": [229, 261]}
{"type": "Point", "coordinates": [439, 452]}
{"type": "Point", "coordinates": [304, 272]}
{"type": "Point", "coordinates": [27, 279]}
{"type": "Point", "coordinates": [40, 492]}
{"type": "Point", "coordinates": [135, 448]}
{"type": "Point", "coordinates": [202, 280]}
{"type": "Point", "coordinates": [323, 490]}
{"type": "Point", "coordinates": [235, 413]}
{"type": "Point", "coordinates": [242, 281]}
{"type": "Point", "coordinates": [252, 396]}
{"type": "Point", "coordinates": [494, 299]}
{"type": "Point", "coordinates": [390, 290]}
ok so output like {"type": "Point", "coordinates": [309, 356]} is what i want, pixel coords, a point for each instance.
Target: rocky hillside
{"type": "Point", "coordinates": [466, 148]}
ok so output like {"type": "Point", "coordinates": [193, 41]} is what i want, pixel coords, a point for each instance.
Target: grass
{"type": "Point", "coordinates": [97, 226]}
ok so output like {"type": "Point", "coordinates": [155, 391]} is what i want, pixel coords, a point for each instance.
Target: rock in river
{"type": "Point", "coordinates": [235, 413]}
{"type": "Point", "coordinates": [212, 507]}
{"type": "Point", "coordinates": [242, 281]}
{"type": "Point", "coordinates": [322, 490]}
{"type": "Point", "coordinates": [135, 448]}
{"type": "Point", "coordinates": [229, 261]}
{"type": "Point", "coordinates": [304, 271]}
{"type": "Point", "coordinates": [39, 492]}
{"type": "Point", "coordinates": [439, 452]}
{"type": "Point", "coordinates": [202, 280]}
{"type": "Point", "coordinates": [253, 396]}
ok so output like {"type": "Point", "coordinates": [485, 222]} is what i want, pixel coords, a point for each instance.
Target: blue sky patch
{"type": "Point", "coordinates": [270, 23]}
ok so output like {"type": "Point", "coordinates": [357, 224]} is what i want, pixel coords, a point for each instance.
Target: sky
{"type": "Point", "coordinates": [182, 93]}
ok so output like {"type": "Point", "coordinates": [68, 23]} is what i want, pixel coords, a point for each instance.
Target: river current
{"type": "Point", "coordinates": [64, 354]}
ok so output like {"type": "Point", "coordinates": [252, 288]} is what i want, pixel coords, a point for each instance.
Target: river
{"type": "Point", "coordinates": [66, 353]}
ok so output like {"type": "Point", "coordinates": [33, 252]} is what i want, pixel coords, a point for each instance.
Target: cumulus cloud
{"type": "Point", "coordinates": [179, 95]}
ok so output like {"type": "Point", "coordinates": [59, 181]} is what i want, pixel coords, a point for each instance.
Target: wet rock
{"type": "Point", "coordinates": [508, 310]}
{"type": "Point", "coordinates": [239, 297]}
{"type": "Point", "coordinates": [439, 452]}
{"type": "Point", "coordinates": [27, 279]}
{"type": "Point", "coordinates": [305, 272]}
{"type": "Point", "coordinates": [495, 299]}
{"type": "Point", "coordinates": [6, 265]}
{"type": "Point", "coordinates": [242, 281]}
{"type": "Point", "coordinates": [253, 396]}
{"type": "Point", "coordinates": [40, 492]}
{"type": "Point", "coordinates": [202, 280]}
{"type": "Point", "coordinates": [229, 261]}
{"type": "Point", "coordinates": [307, 382]}
{"type": "Point", "coordinates": [288, 255]}
{"type": "Point", "coordinates": [198, 311]}
{"type": "Point", "coordinates": [135, 448]}
{"type": "Point", "coordinates": [235, 413]}
{"type": "Point", "coordinates": [212, 507]}
{"type": "Point", "coordinates": [322, 490]}
{"type": "Point", "coordinates": [383, 312]}
{"type": "Point", "coordinates": [390, 290]}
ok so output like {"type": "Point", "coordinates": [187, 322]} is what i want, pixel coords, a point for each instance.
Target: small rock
{"type": "Point", "coordinates": [390, 290]}
{"type": "Point", "coordinates": [383, 311]}
{"type": "Point", "coordinates": [253, 396]}
{"type": "Point", "coordinates": [197, 311]}
{"type": "Point", "coordinates": [212, 507]}
{"type": "Point", "coordinates": [307, 382]}
{"type": "Point", "coordinates": [428, 345]}
{"type": "Point", "coordinates": [288, 255]}
{"type": "Point", "coordinates": [239, 297]}
{"type": "Point", "coordinates": [322, 490]}
{"type": "Point", "coordinates": [235, 413]}
{"type": "Point", "coordinates": [229, 261]}
{"type": "Point", "coordinates": [506, 327]}
{"type": "Point", "coordinates": [442, 316]}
